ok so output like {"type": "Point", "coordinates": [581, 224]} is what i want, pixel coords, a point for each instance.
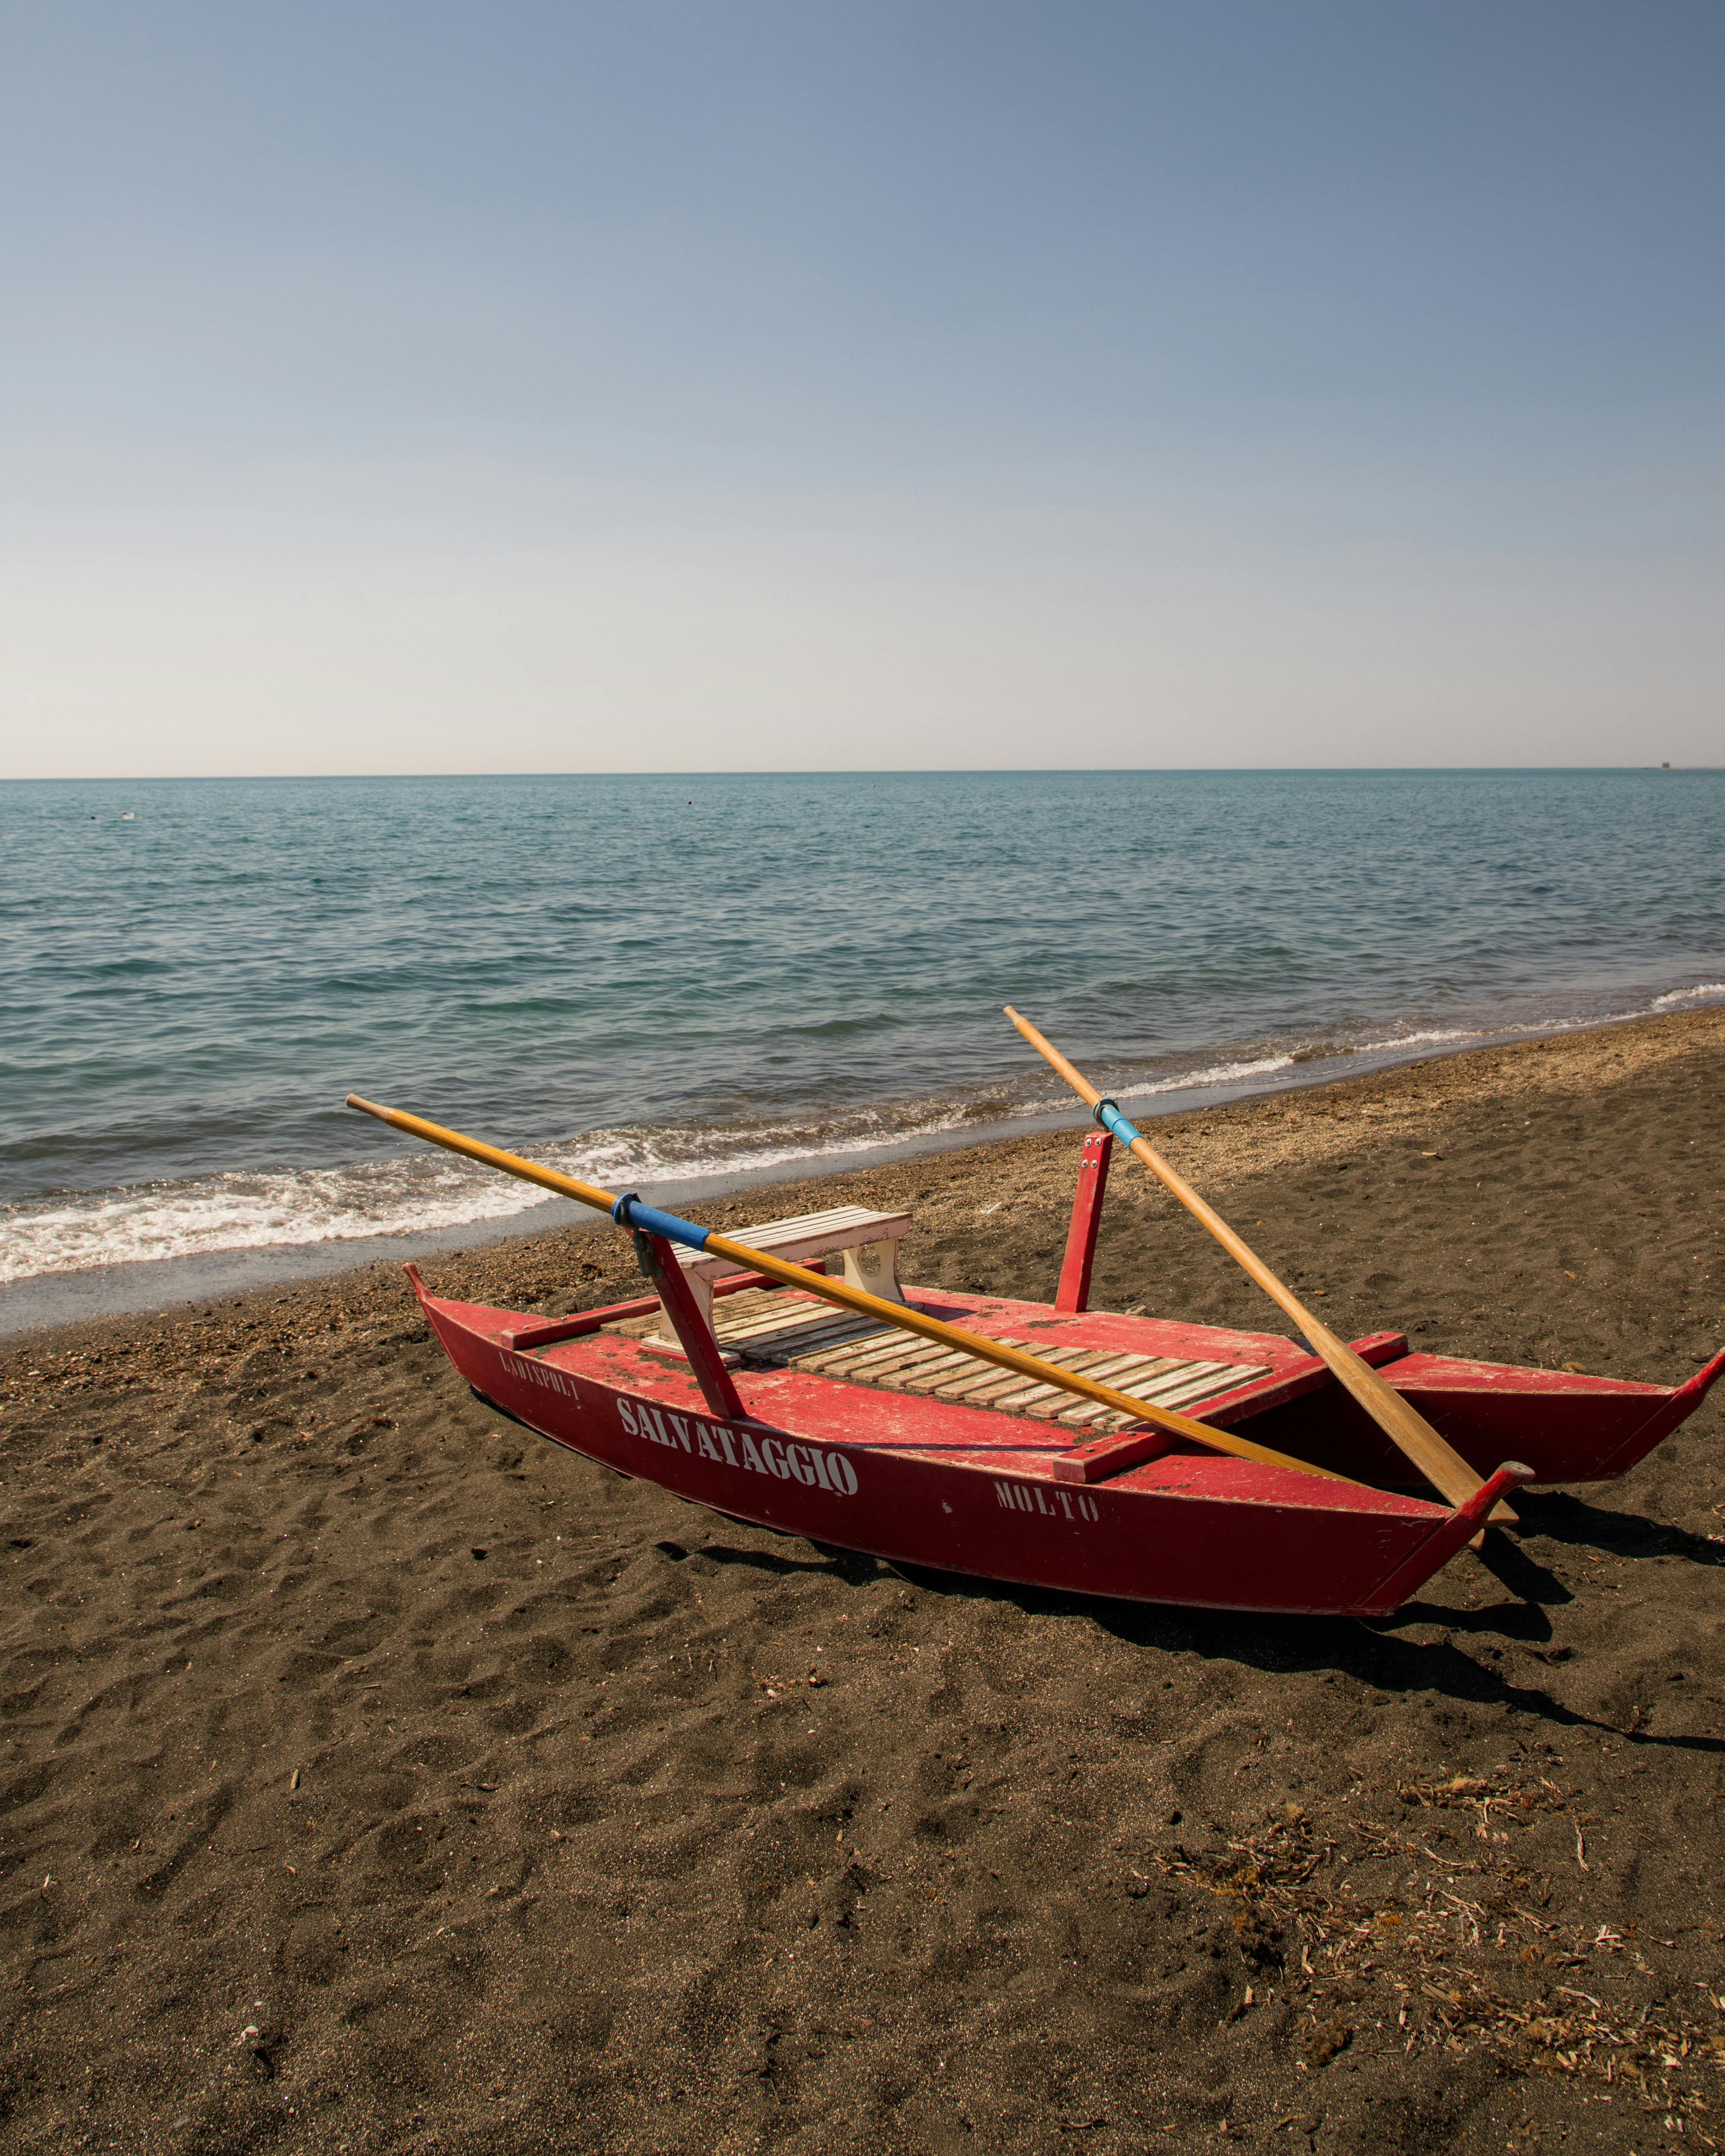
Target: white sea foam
{"type": "Point", "coordinates": [237, 1211]}
{"type": "Point", "coordinates": [1430, 1037]}
{"type": "Point", "coordinates": [1705, 992]}
{"type": "Point", "coordinates": [622, 1157]}
{"type": "Point", "coordinates": [418, 1194]}
{"type": "Point", "coordinates": [1213, 1074]}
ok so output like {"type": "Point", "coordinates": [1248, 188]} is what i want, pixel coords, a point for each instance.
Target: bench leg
{"type": "Point", "coordinates": [701, 1293]}
{"type": "Point", "coordinates": [874, 1268]}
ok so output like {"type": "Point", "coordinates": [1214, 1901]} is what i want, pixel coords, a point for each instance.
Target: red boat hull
{"type": "Point", "coordinates": [934, 1482]}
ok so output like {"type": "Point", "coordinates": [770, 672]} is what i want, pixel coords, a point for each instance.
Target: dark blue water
{"type": "Point", "coordinates": [646, 978]}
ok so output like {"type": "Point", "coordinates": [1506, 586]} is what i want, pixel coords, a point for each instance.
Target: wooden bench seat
{"type": "Point", "coordinates": [866, 1242]}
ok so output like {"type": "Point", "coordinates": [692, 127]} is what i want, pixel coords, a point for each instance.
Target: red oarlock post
{"type": "Point", "coordinates": [699, 1342]}
{"type": "Point", "coordinates": [1074, 1292]}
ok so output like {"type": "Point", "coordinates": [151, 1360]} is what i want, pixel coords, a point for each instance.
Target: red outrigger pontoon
{"type": "Point", "coordinates": [772, 1406]}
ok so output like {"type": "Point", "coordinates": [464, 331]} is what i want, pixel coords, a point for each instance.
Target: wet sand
{"type": "Point", "coordinates": [375, 1778]}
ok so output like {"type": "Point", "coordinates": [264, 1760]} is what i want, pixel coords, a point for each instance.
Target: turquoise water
{"type": "Point", "coordinates": [645, 979]}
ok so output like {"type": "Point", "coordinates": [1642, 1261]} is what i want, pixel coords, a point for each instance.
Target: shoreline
{"type": "Point", "coordinates": [44, 1303]}
{"type": "Point", "coordinates": [367, 1764]}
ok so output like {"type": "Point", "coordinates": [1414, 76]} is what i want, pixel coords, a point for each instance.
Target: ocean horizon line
{"type": "Point", "coordinates": [868, 771]}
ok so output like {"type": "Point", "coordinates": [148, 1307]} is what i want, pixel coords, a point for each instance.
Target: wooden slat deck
{"type": "Point", "coordinates": [778, 1328]}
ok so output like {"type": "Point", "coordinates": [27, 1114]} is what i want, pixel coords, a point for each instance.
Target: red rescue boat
{"type": "Point", "coordinates": [852, 1433]}
{"type": "Point", "coordinates": [1045, 1443]}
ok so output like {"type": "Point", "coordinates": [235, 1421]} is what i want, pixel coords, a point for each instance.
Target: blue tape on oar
{"type": "Point", "coordinates": [628, 1211]}
{"type": "Point", "coordinates": [1110, 1119]}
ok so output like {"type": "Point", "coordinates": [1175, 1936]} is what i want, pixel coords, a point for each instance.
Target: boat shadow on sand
{"type": "Point", "coordinates": [1365, 1649]}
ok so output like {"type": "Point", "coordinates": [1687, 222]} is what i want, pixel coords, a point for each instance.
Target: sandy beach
{"type": "Point", "coordinates": [378, 1778]}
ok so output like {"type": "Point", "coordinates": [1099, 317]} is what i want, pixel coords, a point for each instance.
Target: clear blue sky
{"type": "Point", "coordinates": [563, 388]}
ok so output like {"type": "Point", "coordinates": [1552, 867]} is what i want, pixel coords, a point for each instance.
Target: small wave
{"type": "Point", "coordinates": [1213, 1073]}
{"type": "Point", "coordinates": [647, 1155]}
{"type": "Point", "coordinates": [421, 1194]}
{"type": "Point", "coordinates": [1430, 1036]}
{"type": "Point", "coordinates": [1705, 991]}
{"type": "Point", "coordinates": [236, 1212]}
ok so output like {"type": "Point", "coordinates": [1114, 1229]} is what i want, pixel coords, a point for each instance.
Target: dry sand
{"type": "Point", "coordinates": [376, 1778]}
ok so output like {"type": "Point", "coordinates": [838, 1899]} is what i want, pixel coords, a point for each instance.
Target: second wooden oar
{"type": "Point", "coordinates": [629, 1212]}
{"type": "Point", "coordinates": [1442, 1466]}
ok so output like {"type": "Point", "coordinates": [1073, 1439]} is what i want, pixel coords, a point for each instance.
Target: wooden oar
{"type": "Point", "coordinates": [1443, 1467]}
{"type": "Point", "coordinates": [629, 1212]}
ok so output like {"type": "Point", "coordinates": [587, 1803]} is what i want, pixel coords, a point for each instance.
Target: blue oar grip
{"type": "Point", "coordinates": [628, 1211]}
{"type": "Point", "coordinates": [1110, 1119]}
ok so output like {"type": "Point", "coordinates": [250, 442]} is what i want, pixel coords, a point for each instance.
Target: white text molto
{"type": "Point", "coordinates": [1056, 1504]}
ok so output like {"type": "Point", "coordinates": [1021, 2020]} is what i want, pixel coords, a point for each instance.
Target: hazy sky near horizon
{"type": "Point", "coordinates": [693, 387]}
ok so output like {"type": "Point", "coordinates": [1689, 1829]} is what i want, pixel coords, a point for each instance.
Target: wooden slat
{"type": "Point", "coordinates": [748, 1301]}
{"type": "Point", "coordinates": [1021, 1400]}
{"type": "Point", "coordinates": [1106, 1369]}
{"type": "Point", "coordinates": [1127, 1371]}
{"type": "Point", "coordinates": [1081, 1416]}
{"type": "Point", "coordinates": [978, 1390]}
{"type": "Point", "coordinates": [921, 1377]}
{"type": "Point", "coordinates": [932, 1357]}
{"type": "Point", "coordinates": [784, 1339]}
{"type": "Point", "coordinates": [907, 1371]}
{"type": "Point", "coordinates": [860, 1355]}
{"type": "Point", "coordinates": [789, 1348]}
{"type": "Point", "coordinates": [1017, 1400]}
{"type": "Point", "coordinates": [757, 1308]}
{"type": "Point", "coordinates": [968, 1375]}
{"type": "Point", "coordinates": [1190, 1383]}
{"type": "Point", "coordinates": [768, 1323]}
{"type": "Point", "coordinates": [1216, 1378]}
{"type": "Point", "coordinates": [907, 1348]}
{"type": "Point", "coordinates": [760, 1321]}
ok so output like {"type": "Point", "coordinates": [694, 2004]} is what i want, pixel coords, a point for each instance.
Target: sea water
{"type": "Point", "coordinates": [647, 980]}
